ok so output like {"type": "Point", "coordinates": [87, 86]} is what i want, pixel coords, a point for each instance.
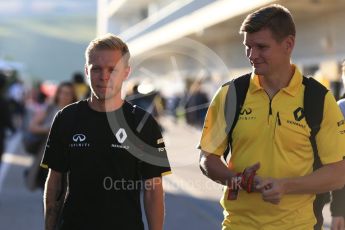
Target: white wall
{"type": "Point", "coordinates": [320, 39]}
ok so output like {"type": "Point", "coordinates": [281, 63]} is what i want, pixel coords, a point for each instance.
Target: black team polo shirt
{"type": "Point", "coordinates": [108, 157]}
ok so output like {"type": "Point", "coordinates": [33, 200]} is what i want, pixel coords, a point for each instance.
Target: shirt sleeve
{"type": "Point", "coordinates": [331, 137]}
{"type": "Point", "coordinates": [155, 161]}
{"type": "Point", "coordinates": [214, 138]}
{"type": "Point", "coordinates": [55, 156]}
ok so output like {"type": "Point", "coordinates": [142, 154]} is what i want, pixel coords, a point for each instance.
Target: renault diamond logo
{"type": "Point", "coordinates": [79, 138]}
{"type": "Point", "coordinates": [298, 114]}
{"type": "Point", "coordinates": [121, 135]}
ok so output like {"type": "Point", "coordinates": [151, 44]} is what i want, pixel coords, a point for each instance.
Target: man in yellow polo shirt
{"type": "Point", "coordinates": [270, 142]}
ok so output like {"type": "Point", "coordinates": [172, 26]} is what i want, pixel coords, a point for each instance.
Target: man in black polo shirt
{"type": "Point", "coordinates": [105, 151]}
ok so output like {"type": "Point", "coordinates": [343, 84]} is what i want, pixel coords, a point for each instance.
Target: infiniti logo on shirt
{"type": "Point", "coordinates": [79, 138]}
{"type": "Point", "coordinates": [246, 111]}
{"type": "Point", "coordinates": [246, 114]}
{"type": "Point", "coordinates": [79, 141]}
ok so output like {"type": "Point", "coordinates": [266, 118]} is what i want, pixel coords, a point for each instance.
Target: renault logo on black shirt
{"type": "Point", "coordinates": [121, 135]}
{"type": "Point", "coordinates": [298, 114]}
{"type": "Point", "coordinates": [79, 137]}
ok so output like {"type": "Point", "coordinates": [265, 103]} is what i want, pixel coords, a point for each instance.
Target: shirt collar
{"type": "Point", "coordinates": [292, 89]}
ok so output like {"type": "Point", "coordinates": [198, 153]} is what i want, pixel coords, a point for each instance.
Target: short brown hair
{"type": "Point", "coordinates": [108, 42]}
{"type": "Point", "coordinates": [276, 18]}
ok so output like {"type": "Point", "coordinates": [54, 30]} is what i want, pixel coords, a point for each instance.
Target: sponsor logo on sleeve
{"type": "Point", "coordinates": [340, 123]}
{"type": "Point", "coordinates": [160, 141]}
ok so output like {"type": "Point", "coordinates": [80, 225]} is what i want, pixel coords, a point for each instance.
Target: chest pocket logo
{"type": "Point", "coordinates": [299, 114]}
{"type": "Point", "coordinates": [246, 111]}
{"type": "Point", "coordinates": [79, 137]}
{"type": "Point", "coordinates": [121, 135]}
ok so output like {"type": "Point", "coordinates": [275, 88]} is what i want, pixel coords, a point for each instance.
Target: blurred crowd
{"type": "Point", "coordinates": [31, 110]}
{"type": "Point", "coordinates": [190, 106]}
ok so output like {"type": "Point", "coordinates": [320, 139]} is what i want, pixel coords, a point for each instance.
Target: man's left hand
{"type": "Point", "coordinates": [272, 190]}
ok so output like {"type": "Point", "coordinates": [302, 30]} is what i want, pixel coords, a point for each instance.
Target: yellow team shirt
{"type": "Point", "coordinates": [274, 133]}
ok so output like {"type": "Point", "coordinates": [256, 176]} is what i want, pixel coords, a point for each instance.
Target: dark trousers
{"type": "Point", "coordinates": [319, 203]}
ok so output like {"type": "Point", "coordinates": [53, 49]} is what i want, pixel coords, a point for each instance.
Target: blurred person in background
{"type": "Point", "coordinates": [196, 105]}
{"type": "Point", "coordinates": [16, 95]}
{"type": "Point", "coordinates": [5, 117]}
{"type": "Point", "coordinates": [172, 104]}
{"type": "Point", "coordinates": [97, 143]}
{"type": "Point", "coordinates": [271, 180]}
{"type": "Point", "coordinates": [148, 98]}
{"type": "Point", "coordinates": [338, 196]}
{"type": "Point", "coordinates": [343, 82]}
{"type": "Point", "coordinates": [137, 98]}
{"type": "Point", "coordinates": [36, 103]}
{"type": "Point", "coordinates": [39, 127]}
{"type": "Point", "coordinates": [81, 88]}
{"type": "Point", "coordinates": [341, 102]}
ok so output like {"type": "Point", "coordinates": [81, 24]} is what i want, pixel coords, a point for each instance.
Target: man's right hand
{"type": "Point", "coordinates": [337, 223]}
{"type": "Point", "coordinates": [250, 172]}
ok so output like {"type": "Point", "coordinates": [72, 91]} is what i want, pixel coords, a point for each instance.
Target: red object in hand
{"type": "Point", "coordinates": [248, 180]}
{"type": "Point", "coordinates": [235, 186]}
{"type": "Point", "coordinates": [243, 181]}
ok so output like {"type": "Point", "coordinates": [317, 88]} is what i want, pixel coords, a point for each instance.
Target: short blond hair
{"type": "Point", "coordinates": [108, 42]}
